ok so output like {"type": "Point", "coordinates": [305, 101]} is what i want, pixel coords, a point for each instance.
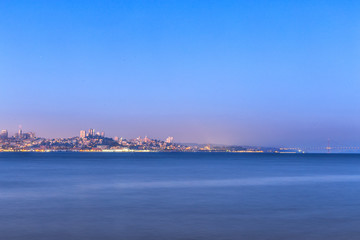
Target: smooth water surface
{"type": "Point", "coordinates": [48, 196]}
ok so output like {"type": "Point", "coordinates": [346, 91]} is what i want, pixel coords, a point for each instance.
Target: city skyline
{"type": "Point", "coordinates": [91, 132]}
{"type": "Point", "coordinates": [92, 141]}
{"type": "Point", "coordinates": [328, 146]}
{"type": "Point", "coordinates": [236, 72]}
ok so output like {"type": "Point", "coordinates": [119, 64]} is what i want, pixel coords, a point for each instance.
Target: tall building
{"type": "Point", "coordinates": [4, 134]}
{"type": "Point", "coordinates": [91, 132]}
{"type": "Point", "coordinates": [20, 134]}
{"type": "Point", "coordinates": [169, 140]}
{"type": "Point", "coordinates": [82, 134]}
{"type": "Point", "coordinates": [102, 134]}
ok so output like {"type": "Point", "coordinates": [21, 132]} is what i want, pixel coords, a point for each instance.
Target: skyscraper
{"type": "Point", "coordinates": [19, 135]}
{"type": "Point", "coordinates": [82, 134]}
{"type": "Point", "coordinates": [91, 132]}
{"type": "Point", "coordinates": [102, 134]}
{"type": "Point", "coordinates": [4, 134]}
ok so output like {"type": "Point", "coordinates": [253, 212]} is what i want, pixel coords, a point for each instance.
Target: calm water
{"type": "Point", "coordinates": [179, 196]}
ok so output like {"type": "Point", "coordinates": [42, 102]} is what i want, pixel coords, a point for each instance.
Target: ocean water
{"type": "Point", "coordinates": [128, 196]}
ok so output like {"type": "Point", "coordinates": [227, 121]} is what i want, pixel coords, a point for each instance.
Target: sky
{"type": "Point", "coordinates": [271, 73]}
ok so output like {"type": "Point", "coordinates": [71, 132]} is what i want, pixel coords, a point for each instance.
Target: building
{"type": "Point", "coordinates": [82, 134]}
{"type": "Point", "coordinates": [91, 132]}
{"type": "Point", "coordinates": [102, 134]}
{"type": "Point", "coordinates": [169, 140]}
{"type": "Point", "coordinates": [4, 134]}
{"type": "Point", "coordinates": [19, 135]}
{"type": "Point", "coordinates": [29, 135]}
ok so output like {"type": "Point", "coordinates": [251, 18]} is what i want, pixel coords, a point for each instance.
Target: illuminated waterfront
{"type": "Point", "coordinates": [98, 142]}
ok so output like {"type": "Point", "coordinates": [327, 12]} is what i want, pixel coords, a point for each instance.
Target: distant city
{"type": "Point", "coordinates": [92, 141]}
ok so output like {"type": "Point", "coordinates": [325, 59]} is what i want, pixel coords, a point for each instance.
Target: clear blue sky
{"type": "Point", "coordinates": [233, 72]}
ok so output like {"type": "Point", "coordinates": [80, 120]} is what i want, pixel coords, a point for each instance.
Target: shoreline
{"type": "Point", "coordinates": [140, 151]}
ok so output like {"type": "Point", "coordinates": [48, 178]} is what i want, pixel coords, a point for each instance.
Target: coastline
{"type": "Point", "coordinates": [137, 151]}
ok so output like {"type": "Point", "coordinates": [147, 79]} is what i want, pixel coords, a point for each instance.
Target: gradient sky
{"type": "Point", "coordinates": [234, 72]}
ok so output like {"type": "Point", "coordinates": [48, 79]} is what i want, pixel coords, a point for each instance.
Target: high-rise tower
{"type": "Point", "coordinates": [82, 134]}
{"type": "Point", "coordinates": [20, 134]}
{"type": "Point", "coordinates": [91, 132]}
{"type": "Point", "coordinates": [4, 134]}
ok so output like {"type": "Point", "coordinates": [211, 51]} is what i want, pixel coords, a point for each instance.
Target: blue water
{"type": "Point", "coordinates": [179, 196]}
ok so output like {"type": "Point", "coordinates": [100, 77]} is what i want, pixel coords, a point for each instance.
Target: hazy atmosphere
{"type": "Point", "coordinates": [230, 72]}
{"type": "Point", "coordinates": [179, 120]}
